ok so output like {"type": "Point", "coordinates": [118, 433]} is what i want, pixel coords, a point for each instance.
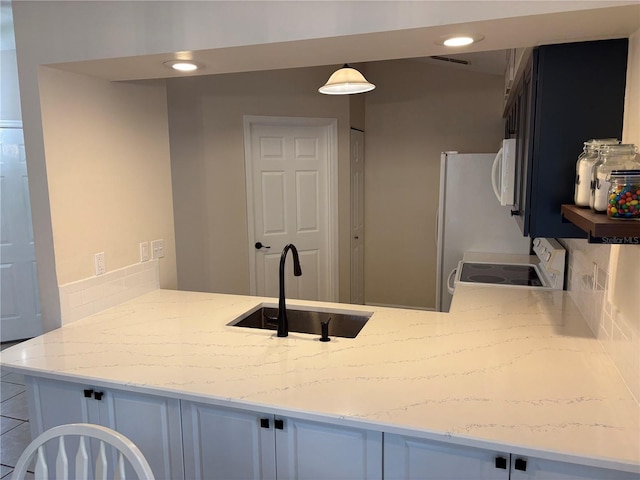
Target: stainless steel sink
{"type": "Point", "coordinates": [343, 324]}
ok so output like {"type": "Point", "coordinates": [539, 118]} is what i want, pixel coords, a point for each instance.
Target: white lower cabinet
{"type": "Point", "coordinates": [538, 469]}
{"type": "Point", "coordinates": [151, 422]}
{"type": "Point", "coordinates": [199, 441]}
{"type": "Point", "coordinates": [223, 443]}
{"type": "Point", "coordinates": [229, 444]}
{"type": "Point", "coordinates": [414, 458]}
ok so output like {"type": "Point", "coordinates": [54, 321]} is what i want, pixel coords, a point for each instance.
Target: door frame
{"type": "Point", "coordinates": [331, 128]}
{"type": "Point", "coordinates": [353, 202]}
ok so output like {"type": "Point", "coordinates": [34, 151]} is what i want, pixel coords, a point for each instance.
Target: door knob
{"type": "Point", "coordinates": [259, 245]}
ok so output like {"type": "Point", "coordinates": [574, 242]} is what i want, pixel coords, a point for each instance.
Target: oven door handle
{"type": "Point", "coordinates": [496, 175]}
{"type": "Point", "coordinates": [450, 286]}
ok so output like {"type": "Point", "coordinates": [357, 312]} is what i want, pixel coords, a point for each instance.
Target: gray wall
{"type": "Point", "coordinates": [419, 111]}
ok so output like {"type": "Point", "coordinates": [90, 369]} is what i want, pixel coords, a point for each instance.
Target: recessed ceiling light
{"type": "Point", "coordinates": [459, 40]}
{"type": "Point", "coordinates": [182, 65]}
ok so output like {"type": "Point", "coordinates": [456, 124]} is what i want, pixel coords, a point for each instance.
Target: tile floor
{"type": "Point", "coordinates": [15, 434]}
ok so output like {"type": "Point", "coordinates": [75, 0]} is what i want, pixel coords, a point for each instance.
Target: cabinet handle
{"type": "Point", "coordinates": [264, 422]}
{"type": "Point", "coordinates": [501, 462]}
{"type": "Point", "coordinates": [88, 392]}
{"type": "Point", "coordinates": [279, 424]}
{"type": "Point", "coordinates": [521, 464]}
{"type": "Point", "coordinates": [98, 395]}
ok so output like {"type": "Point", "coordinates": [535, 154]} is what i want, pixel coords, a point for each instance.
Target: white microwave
{"type": "Point", "coordinates": [503, 173]}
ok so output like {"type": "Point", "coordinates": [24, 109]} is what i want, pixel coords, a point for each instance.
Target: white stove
{"type": "Point", "coordinates": [544, 270]}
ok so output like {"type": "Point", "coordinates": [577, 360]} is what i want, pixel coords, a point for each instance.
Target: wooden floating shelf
{"type": "Point", "coordinates": [602, 229]}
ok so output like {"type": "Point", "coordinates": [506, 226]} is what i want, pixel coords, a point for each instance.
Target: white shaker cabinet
{"type": "Point", "coordinates": [538, 469]}
{"type": "Point", "coordinates": [199, 441]}
{"type": "Point", "coordinates": [224, 443]}
{"type": "Point", "coordinates": [311, 450]}
{"type": "Point", "coordinates": [151, 422]}
{"type": "Point", "coordinates": [227, 444]}
{"type": "Point", "coordinates": [415, 458]}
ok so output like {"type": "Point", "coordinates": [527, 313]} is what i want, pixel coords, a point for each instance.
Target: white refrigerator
{"type": "Point", "coordinates": [470, 218]}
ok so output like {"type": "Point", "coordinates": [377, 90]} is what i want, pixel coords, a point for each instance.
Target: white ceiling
{"type": "Point", "coordinates": [525, 31]}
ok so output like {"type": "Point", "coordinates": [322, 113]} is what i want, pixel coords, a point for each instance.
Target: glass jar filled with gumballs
{"type": "Point", "coordinates": [610, 158]}
{"type": "Point", "coordinates": [624, 195]}
{"type": "Point", "coordinates": [584, 166]}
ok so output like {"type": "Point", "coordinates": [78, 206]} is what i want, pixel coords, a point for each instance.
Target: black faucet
{"type": "Point", "coordinates": [283, 324]}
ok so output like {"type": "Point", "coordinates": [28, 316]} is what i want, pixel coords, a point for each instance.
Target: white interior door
{"type": "Point", "coordinates": [290, 167]}
{"type": "Point", "coordinates": [19, 307]}
{"type": "Point", "coordinates": [357, 217]}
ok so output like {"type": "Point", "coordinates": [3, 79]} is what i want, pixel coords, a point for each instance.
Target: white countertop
{"type": "Point", "coordinates": [510, 369]}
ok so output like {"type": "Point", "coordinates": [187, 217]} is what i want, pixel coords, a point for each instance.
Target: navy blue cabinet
{"type": "Point", "coordinates": [568, 93]}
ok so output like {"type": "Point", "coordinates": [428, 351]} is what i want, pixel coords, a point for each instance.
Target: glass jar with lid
{"type": "Point", "coordinates": [610, 157]}
{"type": "Point", "coordinates": [624, 195]}
{"type": "Point", "coordinates": [584, 167]}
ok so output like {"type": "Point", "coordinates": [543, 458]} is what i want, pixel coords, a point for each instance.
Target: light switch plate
{"type": "Point", "coordinates": [144, 251]}
{"type": "Point", "coordinates": [157, 248]}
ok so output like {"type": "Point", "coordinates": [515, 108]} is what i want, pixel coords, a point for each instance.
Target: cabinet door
{"type": "Point", "coordinates": [572, 102]}
{"type": "Point", "coordinates": [222, 443]}
{"type": "Point", "coordinates": [52, 403]}
{"type": "Point", "coordinates": [310, 450]}
{"type": "Point", "coordinates": [413, 458]}
{"type": "Point", "coordinates": [537, 469]}
{"type": "Point", "coordinates": [152, 423]}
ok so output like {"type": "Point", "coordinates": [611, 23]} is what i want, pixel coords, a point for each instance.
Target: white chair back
{"type": "Point", "coordinates": [125, 448]}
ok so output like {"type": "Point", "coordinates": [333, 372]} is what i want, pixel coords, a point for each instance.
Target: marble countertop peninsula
{"type": "Point", "coordinates": [509, 369]}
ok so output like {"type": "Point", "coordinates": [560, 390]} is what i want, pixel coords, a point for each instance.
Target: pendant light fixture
{"type": "Point", "coordinates": [346, 81]}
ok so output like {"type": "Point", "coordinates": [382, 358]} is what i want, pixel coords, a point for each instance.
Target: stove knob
{"type": "Point", "coordinates": [547, 256]}
{"type": "Point", "coordinates": [536, 242]}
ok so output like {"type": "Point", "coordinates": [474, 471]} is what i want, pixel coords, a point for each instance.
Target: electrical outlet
{"type": "Point", "coordinates": [144, 251]}
{"type": "Point", "coordinates": [99, 262]}
{"type": "Point", "coordinates": [157, 248]}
